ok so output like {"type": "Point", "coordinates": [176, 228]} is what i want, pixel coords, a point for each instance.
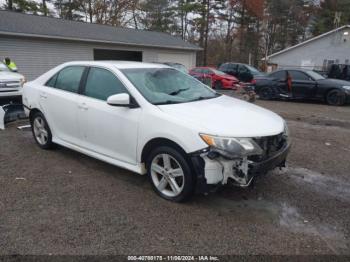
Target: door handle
{"type": "Point", "coordinates": [43, 95]}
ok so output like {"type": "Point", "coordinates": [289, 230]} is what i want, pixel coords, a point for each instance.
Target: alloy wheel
{"type": "Point", "coordinates": [167, 175]}
{"type": "Point", "coordinates": [335, 98]}
{"type": "Point", "coordinates": [40, 131]}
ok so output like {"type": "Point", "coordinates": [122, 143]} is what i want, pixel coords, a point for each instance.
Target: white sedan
{"type": "Point", "coordinates": [155, 120]}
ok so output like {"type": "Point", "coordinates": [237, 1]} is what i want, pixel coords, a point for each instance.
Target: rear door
{"type": "Point", "coordinates": [303, 86]}
{"type": "Point", "coordinates": [59, 99]}
{"type": "Point", "coordinates": [105, 129]}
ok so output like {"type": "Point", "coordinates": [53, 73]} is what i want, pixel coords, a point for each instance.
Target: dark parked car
{"type": "Point", "coordinates": [307, 84]}
{"type": "Point", "coordinates": [248, 74]}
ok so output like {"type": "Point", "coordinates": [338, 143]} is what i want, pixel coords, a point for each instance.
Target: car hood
{"type": "Point", "coordinates": [227, 116]}
{"type": "Point", "coordinates": [10, 76]}
{"type": "Point", "coordinates": [333, 82]}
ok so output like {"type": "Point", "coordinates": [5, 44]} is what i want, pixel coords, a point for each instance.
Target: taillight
{"type": "Point", "coordinates": [253, 81]}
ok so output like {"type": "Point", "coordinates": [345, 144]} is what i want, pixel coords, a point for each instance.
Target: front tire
{"type": "Point", "coordinates": [41, 131]}
{"type": "Point", "coordinates": [335, 98]}
{"type": "Point", "coordinates": [170, 174]}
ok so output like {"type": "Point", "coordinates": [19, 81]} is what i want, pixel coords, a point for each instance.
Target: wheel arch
{"type": "Point", "coordinates": [330, 90]}
{"type": "Point", "coordinates": [32, 113]}
{"type": "Point", "coordinates": [160, 141]}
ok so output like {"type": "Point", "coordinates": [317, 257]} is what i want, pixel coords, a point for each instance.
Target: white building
{"type": "Point", "coordinates": [38, 43]}
{"type": "Point", "coordinates": [316, 53]}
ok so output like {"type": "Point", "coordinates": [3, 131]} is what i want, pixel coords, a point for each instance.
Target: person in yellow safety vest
{"type": "Point", "coordinates": [10, 64]}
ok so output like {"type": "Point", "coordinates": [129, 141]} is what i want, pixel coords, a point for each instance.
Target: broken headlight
{"type": "Point", "coordinates": [233, 147]}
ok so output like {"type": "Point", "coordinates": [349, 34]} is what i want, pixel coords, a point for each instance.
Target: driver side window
{"type": "Point", "coordinates": [101, 84]}
{"type": "Point", "coordinates": [296, 75]}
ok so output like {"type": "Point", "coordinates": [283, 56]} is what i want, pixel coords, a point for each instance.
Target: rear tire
{"type": "Point", "coordinates": [265, 93]}
{"type": "Point", "coordinates": [41, 131]}
{"type": "Point", "coordinates": [335, 97]}
{"type": "Point", "coordinates": [170, 174]}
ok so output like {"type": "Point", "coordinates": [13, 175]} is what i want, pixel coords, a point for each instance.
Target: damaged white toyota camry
{"type": "Point", "coordinates": [155, 120]}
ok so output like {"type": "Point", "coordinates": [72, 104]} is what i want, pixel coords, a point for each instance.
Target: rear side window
{"type": "Point", "coordinates": [101, 84]}
{"type": "Point", "coordinates": [68, 79]}
{"type": "Point", "coordinates": [280, 75]}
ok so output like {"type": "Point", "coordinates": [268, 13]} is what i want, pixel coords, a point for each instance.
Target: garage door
{"type": "Point", "coordinates": [106, 54]}
{"type": "Point", "coordinates": [185, 59]}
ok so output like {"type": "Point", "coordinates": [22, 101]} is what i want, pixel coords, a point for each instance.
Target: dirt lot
{"type": "Point", "coordinates": [62, 202]}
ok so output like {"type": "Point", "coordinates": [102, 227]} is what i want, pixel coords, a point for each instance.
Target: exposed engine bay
{"type": "Point", "coordinates": [220, 168]}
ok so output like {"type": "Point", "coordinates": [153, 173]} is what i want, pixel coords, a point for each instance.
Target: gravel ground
{"type": "Point", "coordinates": [62, 202]}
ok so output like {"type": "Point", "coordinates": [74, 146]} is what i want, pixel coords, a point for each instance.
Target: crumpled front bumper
{"type": "Point", "coordinates": [213, 170]}
{"type": "Point", "coordinates": [10, 113]}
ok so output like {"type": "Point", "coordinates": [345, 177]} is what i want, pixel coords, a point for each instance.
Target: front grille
{"type": "Point", "coordinates": [270, 145]}
{"type": "Point", "coordinates": [10, 84]}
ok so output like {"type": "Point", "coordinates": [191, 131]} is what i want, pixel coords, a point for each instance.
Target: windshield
{"type": "Point", "coordinates": [254, 71]}
{"type": "Point", "coordinates": [3, 67]}
{"type": "Point", "coordinates": [168, 86]}
{"type": "Point", "coordinates": [217, 72]}
{"type": "Point", "coordinates": [315, 76]}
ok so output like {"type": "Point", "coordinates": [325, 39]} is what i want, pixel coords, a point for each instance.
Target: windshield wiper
{"type": "Point", "coordinates": [167, 102]}
{"type": "Point", "coordinates": [178, 91]}
{"type": "Point", "coordinates": [204, 98]}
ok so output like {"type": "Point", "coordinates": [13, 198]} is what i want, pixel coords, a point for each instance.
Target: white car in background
{"type": "Point", "coordinates": [153, 119]}
{"type": "Point", "coordinates": [11, 83]}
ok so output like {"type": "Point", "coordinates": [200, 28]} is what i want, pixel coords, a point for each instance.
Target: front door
{"type": "Point", "coordinates": [105, 129]}
{"type": "Point", "coordinates": [303, 86]}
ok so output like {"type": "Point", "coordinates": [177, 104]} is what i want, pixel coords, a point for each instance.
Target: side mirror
{"type": "Point", "coordinates": [122, 99]}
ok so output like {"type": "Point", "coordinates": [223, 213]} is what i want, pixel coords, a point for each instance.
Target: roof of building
{"type": "Point", "coordinates": [19, 24]}
{"type": "Point", "coordinates": [309, 40]}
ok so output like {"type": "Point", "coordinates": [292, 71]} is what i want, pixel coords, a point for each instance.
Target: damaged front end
{"type": "Point", "coordinates": [10, 113]}
{"type": "Point", "coordinates": [238, 161]}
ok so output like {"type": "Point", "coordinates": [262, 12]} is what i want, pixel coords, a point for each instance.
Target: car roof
{"type": "Point", "coordinates": [294, 69]}
{"type": "Point", "coordinates": [117, 64]}
{"type": "Point", "coordinates": [233, 63]}
{"type": "Point", "coordinates": [204, 67]}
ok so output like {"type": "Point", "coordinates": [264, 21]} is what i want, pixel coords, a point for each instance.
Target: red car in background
{"type": "Point", "coordinates": [219, 79]}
